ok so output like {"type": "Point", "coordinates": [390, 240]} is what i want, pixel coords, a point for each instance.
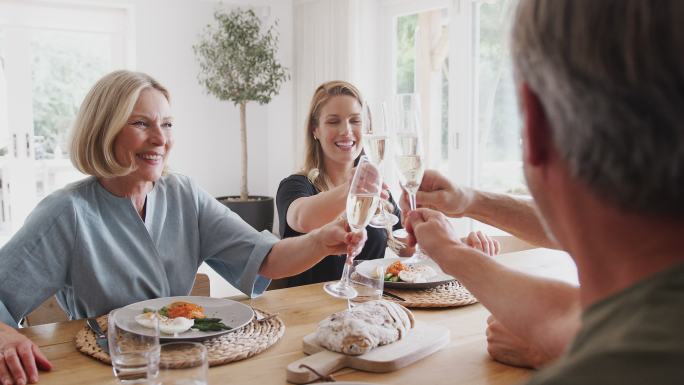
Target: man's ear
{"type": "Point", "coordinates": [537, 139]}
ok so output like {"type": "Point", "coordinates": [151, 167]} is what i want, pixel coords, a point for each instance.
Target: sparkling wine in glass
{"type": "Point", "coordinates": [374, 146]}
{"type": "Point", "coordinates": [409, 162]}
{"type": "Point", "coordinates": [362, 201]}
{"type": "Point", "coordinates": [375, 136]}
{"type": "Point", "coordinates": [360, 209]}
{"type": "Point", "coordinates": [408, 152]}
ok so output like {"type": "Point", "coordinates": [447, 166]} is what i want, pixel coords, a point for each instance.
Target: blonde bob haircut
{"type": "Point", "coordinates": [103, 114]}
{"type": "Point", "coordinates": [314, 168]}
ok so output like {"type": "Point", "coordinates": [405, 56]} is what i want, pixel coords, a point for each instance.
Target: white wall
{"type": "Point", "coordinates": [370, 63]}
{"type": "Point", "coordinates": [207, 130]}
{"type": "Point", "coordinates": [334, 40]}
{"type": "Point", "coordinates": [323, 44]}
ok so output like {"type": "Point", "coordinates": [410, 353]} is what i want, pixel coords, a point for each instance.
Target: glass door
{"type": "Point", "coordinates": [498, 162]}
{"type": "Point", "coordinates": [454, 53]}
{"type": "Point", "coordinates": [422, 67]}
{"type": "Point", "coordinates": [51, 55]}
{"type": "Point", "coordinates": [64, 65]}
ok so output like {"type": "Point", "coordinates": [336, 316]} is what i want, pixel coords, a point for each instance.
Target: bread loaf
{"type": "Point", "coordinates": [364, 327]}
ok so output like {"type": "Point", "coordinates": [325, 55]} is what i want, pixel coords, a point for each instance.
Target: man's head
{"type": "Point", "coordinates": [608, 77]}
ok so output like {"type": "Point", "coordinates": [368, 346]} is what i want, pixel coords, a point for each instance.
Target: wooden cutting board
{"type": "Point", "coordinates": [422, 341]}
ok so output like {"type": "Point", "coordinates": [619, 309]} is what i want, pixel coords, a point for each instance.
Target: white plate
{"type": "Point", "coordinates": [233, 314]}
{"type": "Point", "coordinates": [368, 268]}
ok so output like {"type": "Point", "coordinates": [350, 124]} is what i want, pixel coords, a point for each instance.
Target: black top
{"type": "Point", "coordinates": [329, 268]}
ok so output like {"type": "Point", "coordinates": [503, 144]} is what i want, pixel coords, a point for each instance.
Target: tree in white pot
{"type": "Point", "coordinates": [237, 58]}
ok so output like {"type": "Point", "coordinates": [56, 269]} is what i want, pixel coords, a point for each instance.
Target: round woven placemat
{"type": "Point", "coordinates": [245, 342]}
{"type": "Point", "coordinates": [451, 294]}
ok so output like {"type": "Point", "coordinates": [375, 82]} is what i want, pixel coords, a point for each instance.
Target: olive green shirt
{"type": "Point", "coordinates": [633, 337]}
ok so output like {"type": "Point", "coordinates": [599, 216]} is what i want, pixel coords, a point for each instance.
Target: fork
{"type": "Point", "coordinates": [264, 319]}
{"type": "Point", "coordinates": [392, 295]}
{"type": "Point", "coordinates": [100, 336]}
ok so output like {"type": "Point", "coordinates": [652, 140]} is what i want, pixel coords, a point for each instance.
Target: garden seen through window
{"type": "Point", "coordinates": [51, 55]}
{"type": "Point", "coordinates": [422, 66]}
{"type": "Point", "coordinates": [499, 158]}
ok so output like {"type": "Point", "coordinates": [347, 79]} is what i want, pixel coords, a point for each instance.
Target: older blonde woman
{"type": "Point", "coordinates": [131, 231]}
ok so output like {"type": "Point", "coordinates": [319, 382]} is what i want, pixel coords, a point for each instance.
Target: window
{"type": "Point", "coordinates": [422, 67]}
{"type": "Point", "coordinates": [52, 54]}
{"type": "Point", "coordinates": [499, 156]}
{"type": "Point", "coordinates": [64, 65]}
{"type": "Point", "coordinates": [454, 53]}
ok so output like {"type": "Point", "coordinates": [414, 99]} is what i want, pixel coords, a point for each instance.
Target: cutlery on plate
{"type": "Point", "coordinates": [392, 295]}
{"type": "Point", "coordinates": [266, 318]}
{"type": "Point", "coordinates": [100, 336]}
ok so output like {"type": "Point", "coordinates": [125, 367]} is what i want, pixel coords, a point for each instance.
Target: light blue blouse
{"type": "Point", "coordinates": [94, 251]}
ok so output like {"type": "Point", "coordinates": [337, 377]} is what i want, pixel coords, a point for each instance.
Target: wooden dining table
{"type": "Point", "coordinates": [463, 361]}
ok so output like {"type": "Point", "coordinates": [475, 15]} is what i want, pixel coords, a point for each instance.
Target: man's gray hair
{"type": "Point", "coordinates": [610, 75]}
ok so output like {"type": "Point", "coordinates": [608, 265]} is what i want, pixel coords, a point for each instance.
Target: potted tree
{"type": "Point", "coordinates": [237, 58]}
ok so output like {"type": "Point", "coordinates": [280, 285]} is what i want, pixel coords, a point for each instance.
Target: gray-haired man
{"type": "Point", "coordinates": [601, 88]}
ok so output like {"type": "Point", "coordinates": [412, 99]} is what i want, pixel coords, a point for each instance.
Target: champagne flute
{"type": "Point", "coordinates": [362, 201]}
{"type": "Point", "coordinates": [408, 152]}
{"type": "Point", "coordinates": [374, 133]}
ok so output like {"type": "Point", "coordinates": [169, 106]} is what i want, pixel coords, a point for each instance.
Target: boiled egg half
{"type": "Point", "coordinates": [166, 325]}
{"type": "Point", "coordinates": [417, 274]}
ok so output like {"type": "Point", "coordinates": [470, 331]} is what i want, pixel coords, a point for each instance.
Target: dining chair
{"type": "Point", "coordinates": [202, 286]}
{"type": "Point", "coordinates": [279, 283]}
{"type": "Point", "coordinates": [49, 311]}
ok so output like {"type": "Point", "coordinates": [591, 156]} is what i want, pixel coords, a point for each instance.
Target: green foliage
{"type": "Point", "coordinates": [496, 75]}
{"type": "Point", "coordinates": [501, 169]}
{"type": "Point", "coordinates": [238, 59]}
{"type": "Point", "coordinates": [210, 325]}
{"type": "Point", "coordinates": [406, 53]}
{"type": "Point", "coordinates": [64, 65]}
{"type": "Point", "coordinates": [499, 141]}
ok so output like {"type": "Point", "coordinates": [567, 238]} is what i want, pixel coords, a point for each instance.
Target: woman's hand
{"type": "Point", "coordinates": [480, 241]}
{"type": "Point", "coordinates": [297, 254]}
{"type": "Point", "coordinates": [337, 238]}
{"type": "Point", "coordinates": [384, 193]}
{"type": "Point", "coordinates": [20, 358]}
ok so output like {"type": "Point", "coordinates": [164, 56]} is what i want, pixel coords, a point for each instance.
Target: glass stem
{"type": "Point", "coordinates": [412, 200]}
{"type": "Point", "coordinates": [412, 203]}
{"type": "Point", "coordinates": [345, 272]}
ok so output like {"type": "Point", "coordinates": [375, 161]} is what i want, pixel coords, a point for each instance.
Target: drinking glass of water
{"type": "Point", "coordinates": [134, 350]}
{"type": "Point", "coordinates": [182, 363]}
{"type": "Point", "coordinates": [368, 279]}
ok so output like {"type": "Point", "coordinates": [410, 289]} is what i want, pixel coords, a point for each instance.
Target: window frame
{"type": "Point", "coordinates": [19, 20]}
{"type": "Point", "coordinates": [462, 81]}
